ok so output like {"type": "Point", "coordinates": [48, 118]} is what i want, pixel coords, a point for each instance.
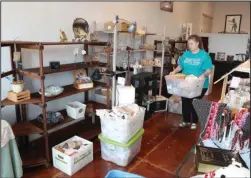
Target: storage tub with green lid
{"type": "Point", "coordinates": [118, 153]}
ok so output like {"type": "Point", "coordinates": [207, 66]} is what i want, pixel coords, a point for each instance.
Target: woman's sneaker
{"type": "Point", "coordinates": [184, 124]}
{"type": "Point", "coordinates": [193, 126]}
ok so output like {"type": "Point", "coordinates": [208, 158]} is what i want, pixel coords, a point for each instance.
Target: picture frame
{"type": "Point", "coordinates": [232, 23]}
{"type": "Point", "coordinates": [221, 56]}
{"type": "Point", "coordinates": [248, 49]}
{"type": "Point", "coordinates": [230, 58]}
{"type": "Point", "coordinates": [166, 6]}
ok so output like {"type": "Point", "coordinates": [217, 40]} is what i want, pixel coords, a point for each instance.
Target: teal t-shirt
{"type": "Point", "coordinates": [196, 64]}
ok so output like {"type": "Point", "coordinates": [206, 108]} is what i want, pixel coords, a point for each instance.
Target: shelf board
{"type": "Point", "coordinates": [97, 43]}
{"type": "Point", "coordinates": [107, 32]}
{"type": "Point", "coordinates": [151, 66]}
{"type": "Point", "coordinates": [94, 43]}
{"type": "Point", "coordinates": [32, 158]}
{"type": "Point", "coordinates": [33, 100]}
{"type": "Point", "coordinates": [36, 127]}
{"type": "Point", "coordinates": [97, 105]}
{"type": "Point", "coordinates": [149, 34]}
{"type": "Point", "coordinates": [65, 68]}
{"type": "Point", "coordinates": [68, 91]}
{"type": "Point", "coordinates": [133, 51]}
{"type": "Point", "coordinates": [25, 128]}
{"type": "Point", "coordinates": [55, 127]}
{"type": "Point", "coordinates": [67, 120]}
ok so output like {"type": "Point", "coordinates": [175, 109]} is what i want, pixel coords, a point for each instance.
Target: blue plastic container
{"type": "Point", "coordinates": [121, 174]}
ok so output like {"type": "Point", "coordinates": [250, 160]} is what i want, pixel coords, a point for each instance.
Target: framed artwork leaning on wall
{"type": "Point", "coordinates": [232, 23]}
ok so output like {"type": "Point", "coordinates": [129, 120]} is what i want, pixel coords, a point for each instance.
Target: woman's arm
{"type": "Point", "coordinates": [207, 66]}
{"type": "Point", "coordinates": [205, 74]}
{"type": "Point", "coordinates": [176, 70]}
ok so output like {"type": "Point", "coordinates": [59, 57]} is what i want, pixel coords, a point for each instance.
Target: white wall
{"type": "Point", "coordinates": [221, 9]}
{"type": "Point", "coordinates": [231, 44]}
{"type": "Point", "coordinates": [206, 8]}
{"type": "Point", "coordinates": [41, 21]}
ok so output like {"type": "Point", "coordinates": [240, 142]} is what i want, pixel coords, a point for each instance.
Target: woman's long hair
{"type": "Point", "coordinates": [197, 39]}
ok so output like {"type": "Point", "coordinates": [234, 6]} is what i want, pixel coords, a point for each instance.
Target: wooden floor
{"type": "Point", "coordinates": [164, 146]}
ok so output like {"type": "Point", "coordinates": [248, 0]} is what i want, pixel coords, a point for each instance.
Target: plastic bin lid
{"type": "Point", "coordinates": [129, 143]}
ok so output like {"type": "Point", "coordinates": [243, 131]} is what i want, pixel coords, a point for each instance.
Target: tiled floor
{"type": "Point", "coordinates": [164, 146]}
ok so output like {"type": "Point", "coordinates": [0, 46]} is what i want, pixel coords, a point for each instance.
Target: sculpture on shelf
{"type": "Point", "coordinates": [93, 34]}
{"type": "Point", "coordinates": [63, 37]}
{"type": "Point", "coordinates": [97, 74]}
{"type": "Point", "coordinates": [80, 29]}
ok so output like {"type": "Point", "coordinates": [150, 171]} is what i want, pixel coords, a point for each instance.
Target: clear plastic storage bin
{"type": "Point", "coordinates": [118, 153]}
{"type": "Point", "coordinates": [175, 105]}
{"type": "Point", "coordinates": [122, 130]}
{"type": "Point", "coordinates": [184, 88]}
{"type": "Point", "coordinates": [118, 173]}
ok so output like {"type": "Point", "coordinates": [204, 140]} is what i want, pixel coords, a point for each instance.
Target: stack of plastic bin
{"type": "Point", "coordinates": [121, 137]}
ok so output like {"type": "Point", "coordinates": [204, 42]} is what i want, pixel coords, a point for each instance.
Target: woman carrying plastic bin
{"type": "Point", "coordinates": [194, 61]}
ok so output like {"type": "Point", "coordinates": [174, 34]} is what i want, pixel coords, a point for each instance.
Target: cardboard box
{"type": "Point", "coordinates": [121, 26]}
{"type": "Point", "coordinates": [109, 26]}
{"type": "Point", "coordinates": [71, 164]}
{"type": "Point", "coordinates": [125, 95]}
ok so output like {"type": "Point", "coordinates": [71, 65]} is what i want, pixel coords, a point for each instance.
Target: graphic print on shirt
{"type": "Point", "coordinates": [193, 61]}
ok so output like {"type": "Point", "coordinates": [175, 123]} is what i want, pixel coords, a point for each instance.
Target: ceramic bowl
{"type": "Point", "coordinates": [52, 90]}
{"type": "Point", "coordinates": [17, 87]}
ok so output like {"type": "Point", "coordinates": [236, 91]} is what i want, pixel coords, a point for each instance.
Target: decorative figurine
{"type": "Point", "coordinates": [63, 37]}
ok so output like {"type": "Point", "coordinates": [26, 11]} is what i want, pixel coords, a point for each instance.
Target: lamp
{"type": "Point", "coordinates": [131, 29]}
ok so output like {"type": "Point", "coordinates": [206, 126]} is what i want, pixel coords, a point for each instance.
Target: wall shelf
{"type": "Point", "coordinates": [33, 100]}
{"type": "Point", "coordinates": [68, 91]}
{"type": "Point", "coordinates": [65, 68]}
{"type": "Point", "coordinates": [35, 43]}
{"type": "Point", "coordinates": [55, 127]}
{"type": "Point", "coordinates": [25, 128]}
{"type": "Point", "coordinates": [126, 32]}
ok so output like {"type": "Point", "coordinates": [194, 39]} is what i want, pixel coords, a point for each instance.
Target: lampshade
{"type": "Point", "coordinates": [132, 28]}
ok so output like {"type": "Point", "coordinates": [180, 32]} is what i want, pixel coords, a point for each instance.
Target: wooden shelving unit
{"type": "Point", "coordinates": [24, 127]}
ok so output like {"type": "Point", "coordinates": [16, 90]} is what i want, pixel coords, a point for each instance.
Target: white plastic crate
{"type": "Point", "coordinates": [76, 110]}
{"type": "Point", "coordinates": [121, 130]}
{"type": "Point", "coordinates": [184, 88]}
{"type": "Point", "coordinates": [71, 164]}
{"type": "Point", "coordinates": [121, 154]}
